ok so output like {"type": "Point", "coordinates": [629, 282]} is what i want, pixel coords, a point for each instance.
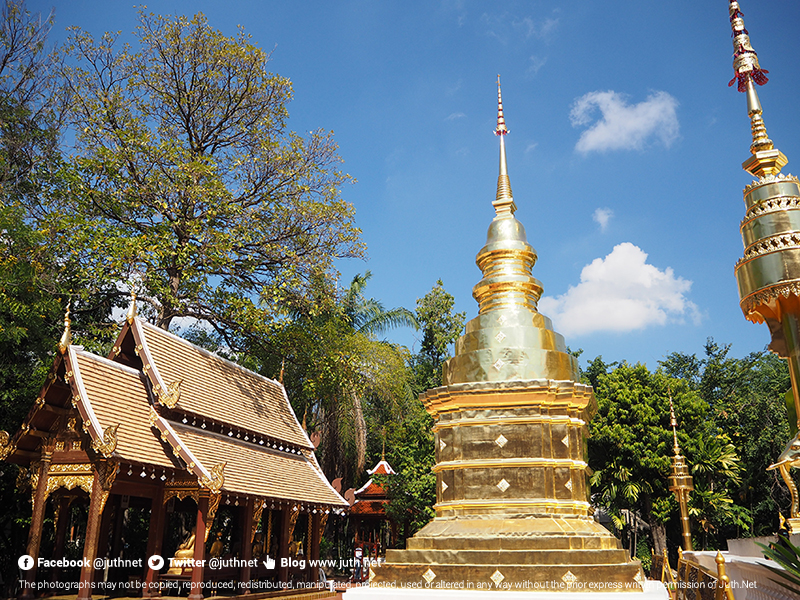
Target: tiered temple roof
{"type": "Point", "coordinates": [159, 405]}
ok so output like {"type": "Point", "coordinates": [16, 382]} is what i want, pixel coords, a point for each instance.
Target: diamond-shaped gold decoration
{"type": "Point", "coordinates": [569, 578]}
{"type": "Point", "coordinates": [501, 440]}
{"type": "Point", "coordinates": [498, 364]}
{"type": "Point", "coordinates": [371, 574]}
{"type": "Point", "coordinates": [501, 319]}
{"type": "Point", "coordinates": [442, 445]}
{"type": "Point", "coordinates": [429, 575]}
{"type": "Point", "coordinates": [565, 440]}
{"type": "Point", "coordinates": [503, 485]}
{"type": "Point", "coordinates": [444, 487]}
{"type": "Point", "coordinates": [500, 337]}
{"type": "Point", "coordinates": [497, 577]}
{"type": "Point", "coordinates": [568, 485]}
{"type": "Point", "coordinates": [639, 578]}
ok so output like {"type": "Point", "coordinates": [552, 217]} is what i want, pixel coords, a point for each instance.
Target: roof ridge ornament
{"type": "Point", "coordinates": [766, 160]}
{"type": "Point", "coordinates": [132, 311]}
{"type": "Point", "coordinates": [66, 337]}
{"type": "Point", "coordinates": [504, 200]}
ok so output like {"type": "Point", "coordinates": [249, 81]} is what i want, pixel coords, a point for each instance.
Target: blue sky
{"type": "Point", "coordinates": [624, 154]}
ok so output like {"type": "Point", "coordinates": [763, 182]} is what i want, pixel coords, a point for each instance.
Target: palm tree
{"type": "Point", "coordinates": [336, 361]}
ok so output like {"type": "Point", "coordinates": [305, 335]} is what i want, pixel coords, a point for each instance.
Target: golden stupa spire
{"type": "Point", "coordinates": [66, 337]}
{"type": "Point", "coordinates": [504, 200]}
{"type": "Point", "coordinates": [766, 159]}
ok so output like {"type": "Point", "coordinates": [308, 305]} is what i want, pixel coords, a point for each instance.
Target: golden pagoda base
{"type": "Point", "coordinates": [535, 553]}
{"type": "Point", "coordinates": [652, 590]}
{"type": "Point", "coordinates": [512, 508]}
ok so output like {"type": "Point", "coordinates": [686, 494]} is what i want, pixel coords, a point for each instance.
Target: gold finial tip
{"type": "Point", "coordinates": [66, 337]}
{"type": "Point", "coordinates": [131, 308]}
{"type": "Point", "coordinates": [501, 128]}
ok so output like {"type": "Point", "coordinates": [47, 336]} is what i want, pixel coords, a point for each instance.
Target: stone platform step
{"type": "Point", "coordinates": [619, 578]}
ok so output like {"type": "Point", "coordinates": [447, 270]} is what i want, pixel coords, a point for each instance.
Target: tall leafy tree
{"type": "Point", "coordinates": [410, 439]}
{"type": "Point", "coordinates": [335, 367]}
{"type": "Point", "coordinates": [631, 442]}
{"type": "Point", "coordinates": [440, 328]}
{"type": "Point", "coordinates": [186, 181]}
{"type": "Point", "coordinates": [746, 402]}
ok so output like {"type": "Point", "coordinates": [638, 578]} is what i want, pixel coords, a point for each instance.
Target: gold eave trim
{"type": "Point", "coordinates": [510, 463]}
{"type": "Point", "coordinates": [179, 448]}
{"type": "Point", "coordinates": [148, 364]}
{"type": "Point", "coordinates": [764, 295]}
{"type": "Point", "coordinates": [91, 424]}
{"type": "Point", "coordinates": [551, 419]}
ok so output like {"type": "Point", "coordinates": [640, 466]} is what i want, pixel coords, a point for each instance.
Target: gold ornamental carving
{"type": "Point", "coordinates": [181, 490]}
{"type": "Point", "coordinates": [293, 514]}
{"type": "Point", "coordinates": [763, 297]}
{"type": "Point", "coordinates": [106, 474]}
{"type": "Point", "coordinates": [23, 479]}
{"type": "Point", "coordinates": [213, 505]}
{"type": "Point", "coordinates": [70, 476]}
{"type": "Point", "coordinates": [216, 481]}
{"type": "Point", "coordinates": [269, 533]}
{"type": "Point", "coordinates": [790, 459]}
{"type": "Point", "coordinates": [771, 244]}
{"type": "Point", "coordinates": [323, 519]}
{"type": "Point", "coordinates": [108, 444]}
{"type": "Point", "coordinates": [7, 445]}
{"type": "Point", "coordinates": [257, 510]}
{"type": "Point", "coordinates": [171, 395]}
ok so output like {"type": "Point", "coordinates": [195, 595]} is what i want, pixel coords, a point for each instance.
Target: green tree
{"type": "Point", "coordinates": [631, 443]}
{"type": "Point", "coordinates": [440, 329]}
{"type": "Point", "coordinates": [410, 438]}
{"type": "Point", "coordinates": [186, 182]}
{"type": "Point", "coordinates": [746, 401]}
{"type": "Point", "coordinates": [336, 370]}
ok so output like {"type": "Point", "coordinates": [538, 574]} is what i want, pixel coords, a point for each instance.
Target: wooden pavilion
{"type": "Point", "coordinates": [166, 425]}
{"type": "Point", "coordinates": [374, 531]}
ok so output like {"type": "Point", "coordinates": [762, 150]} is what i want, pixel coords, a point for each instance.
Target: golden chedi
{"type": "Point", "coordinates": [512, 508]}
{"type": "Point", "coordinates": [769, 272]}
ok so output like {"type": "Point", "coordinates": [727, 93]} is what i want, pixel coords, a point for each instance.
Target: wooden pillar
{"type": "Point", "coordinates": [92, 537]}
{"type": "Point", "coordinates": [283, 545]}
{"type": "Point", "coordinates": [37, 520]}
{"type": "Point", "coordinates": [196, 591]}
{"type": "Point", "coordinates": [247, 542]}
{"type": "Point", "coordinates": [119, 525]}
{"type": "Point", "coordinates": [155, 539]}
{"type": "Point", "coordinates": [313, 544]}
{"type": "Point", "coordinates": [103, 539]}
{"type": "Point", "coordinates": [62, 522]}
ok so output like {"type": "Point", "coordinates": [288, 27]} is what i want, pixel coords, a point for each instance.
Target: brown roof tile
{"type": "Point", "coordinates": [117, 396]}
{"type": "Point", "coordinates": [221, 390]}
{"type": "Point", "coordinates": [257, 471]}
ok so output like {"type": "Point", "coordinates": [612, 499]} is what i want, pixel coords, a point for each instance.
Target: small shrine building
{"type": "Point", "coordinates": [163, 424]}
{"type": "Point", "coordinates": [374, 531]}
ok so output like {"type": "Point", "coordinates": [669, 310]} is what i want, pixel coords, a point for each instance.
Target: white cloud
{"type": "Point", "coordinates": [624, 126]}
{"type": "Point", "coordinates": [602, 216]}
{"type": "Point", "coordinates": [536, 63]}
{"type": "Point", "coordinates": [454, 116]}
{"type": "Point", "coordinates": [620, 293]}
{"type": "Point", "coordinates": [538, 29]}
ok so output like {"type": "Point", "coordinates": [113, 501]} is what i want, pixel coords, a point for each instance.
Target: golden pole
{"type": "Point", "coordinates": [680, 481]}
